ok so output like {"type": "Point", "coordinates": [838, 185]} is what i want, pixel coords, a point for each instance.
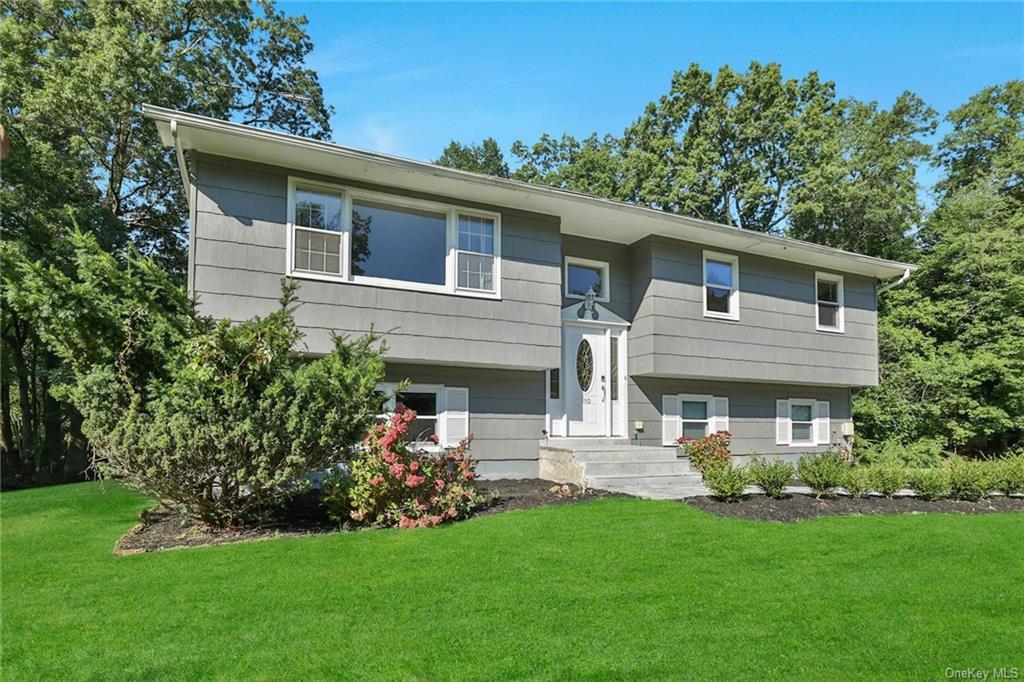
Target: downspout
{"type": "Point", "coordinates": [892, 285]}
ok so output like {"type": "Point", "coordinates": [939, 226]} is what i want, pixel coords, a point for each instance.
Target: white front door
{"type": "Point", "coordinates": [586, 380]}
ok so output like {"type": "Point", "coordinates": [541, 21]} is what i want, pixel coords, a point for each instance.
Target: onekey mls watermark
{"type": "Point", "coordinates": [1006, 673]}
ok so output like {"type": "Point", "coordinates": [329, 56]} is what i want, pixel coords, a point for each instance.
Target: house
{"type": "Point", "coordinates": [551, 324]}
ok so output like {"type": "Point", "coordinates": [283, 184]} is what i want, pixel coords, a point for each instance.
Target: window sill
{"type": "Point", "coordinates": [394, 284]}
{"type": "Point", "coordinates": [831, 330]}
{"type": "Point", "coordinates": [721, 316]}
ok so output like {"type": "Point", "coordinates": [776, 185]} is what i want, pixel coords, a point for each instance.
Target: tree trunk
{"type": "Point", "coordinates": [26, 432]}
{"type": "Point", "coordinates": [51, 455]}
{"type": "Point", "coordinates": [76, 462]}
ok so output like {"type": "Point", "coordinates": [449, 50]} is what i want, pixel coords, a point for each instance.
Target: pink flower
{"type": "Point", "coordinates": [412, 480]}
{"type": "Point", "coordinates": [397, 469]}
{"type": "Point", "coordinates": [389, 456]}
{"type": "Point", "coordinates": [439, 484]}
{"type": "Point", "coordinates": [406, 522]}
{"type": "Point", "coordinates": [414, 466]}
{"type": "Point", "coordinates": [433, 438]}
{"type": "Point", "coordinates": [376, 480]}
{"type": "Point", "coordinates": [469, 475]}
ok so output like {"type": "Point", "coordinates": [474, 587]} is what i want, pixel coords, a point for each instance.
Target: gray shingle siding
{"type": "Point", "coordinates": [239, 257]}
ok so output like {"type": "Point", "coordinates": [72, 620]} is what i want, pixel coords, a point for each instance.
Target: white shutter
{"type": "Point", "coordinates": [782, 422]}
{"type": "Point", "coordinates": [456, 415]}
{"type": "Point", "coordinates": [822, 425]}
{"type": "Point", "coordinates": [721, 418]}
{"type": "Point", "coordinates": [671, 424]}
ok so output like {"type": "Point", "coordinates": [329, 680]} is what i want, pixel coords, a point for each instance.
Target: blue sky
{"type": "Point", "coordinates": [407, 78]}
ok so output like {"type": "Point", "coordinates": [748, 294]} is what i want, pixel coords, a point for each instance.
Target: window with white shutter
{"type": "Point", "coordinates": [670, 426]}
{"type": "Point", "coordinates": [822, 423]}
{"type": "Point", "coordinates": [782, 422]}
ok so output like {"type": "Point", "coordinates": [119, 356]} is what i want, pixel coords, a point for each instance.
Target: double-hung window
{"type": "Point", "coordinates": [317, 231]}
{"type": "Point", "coordinates": [802, 421]}
{"type": "Point", "coordinates": [475, 255]}
{"type": "Point", "coordinates": [363, 237]}
{"type": "Point", "coordinates": [442, 412]}
{"type": "Point", "coordinates": [692, 416]}
{"type": "Point", "coordinates": [721, 285]}
{"type": "Point", "coordinates": [828, 290]}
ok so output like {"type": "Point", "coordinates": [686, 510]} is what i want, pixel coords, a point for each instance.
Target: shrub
{"type": "Point", "coordinates": [771, 476]}
{"type": "Point", "coordinates": [855, 481]}
{"type": "Point", "coordinates": [236, 421]}
{"type": "Point", "coordinates": [725, 481]}
{"type": "Point", "coordinates": [395, 484]}
{"type": "Point", "coordinates": [968, 480]}
{"type": "Point", "coordinates": [822, 473]}
{"type": "Point", "coordinates": [919, 454]}
{"type": "Point", "coordinates": [708, 451]}
{"type": "Point", "coordinates": [1008, 474]}
{"type": "Point", "coordinates": [335, 495]}
{"type": "Point", "coordinates": [929, 484]}
{"type": "Point", "coordinates": [887, 477]}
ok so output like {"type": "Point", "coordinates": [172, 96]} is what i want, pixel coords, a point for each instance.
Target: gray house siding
{"type": "Point", "coordinates": [239, 257]}
{"type": "Point", "coordinates": [506, 414]}
{"type": "Point", "coordinates": [751, 410]}
{"type": "Point", "coordinates": [774, 340]}
{"type": "Point", "coordinates": [619, 265]}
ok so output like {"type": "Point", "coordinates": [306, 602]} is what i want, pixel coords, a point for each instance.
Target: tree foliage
{"type": "Point", "coordinates": [73, 75]}
{"type": "Point", "coordinates": [485, 158]}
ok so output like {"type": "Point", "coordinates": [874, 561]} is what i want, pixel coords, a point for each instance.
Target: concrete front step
{"type": "Point", "coordinates": [636, 468]}
{"type": "Point", "coordinates": [625, 454]}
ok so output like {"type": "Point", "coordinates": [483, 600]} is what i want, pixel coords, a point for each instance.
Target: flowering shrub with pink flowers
{"type": "Point", "coordinates": [394, 483]}
{"type": "Point", "coordinates": [710, 450]}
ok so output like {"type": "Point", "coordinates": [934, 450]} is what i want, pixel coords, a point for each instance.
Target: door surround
{"type": "Point", "coordinates": [599, 325]}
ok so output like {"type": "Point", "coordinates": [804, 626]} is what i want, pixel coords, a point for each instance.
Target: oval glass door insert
{"type": "Point", "coordinates": [584, 365]}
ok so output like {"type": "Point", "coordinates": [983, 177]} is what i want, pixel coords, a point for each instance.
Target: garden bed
{"type": "Point", "coordinates": [167, 529]}
{"type": "Point", "coordinates": [800, 507]}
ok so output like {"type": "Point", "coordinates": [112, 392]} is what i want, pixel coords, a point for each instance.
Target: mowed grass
{"type": "Point", "coordinates": [613, 589]}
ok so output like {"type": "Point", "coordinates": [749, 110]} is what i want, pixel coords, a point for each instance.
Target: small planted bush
{"type": "Point", "coordinates": [396, 484]}
{"type": "Point", "coordinates": [725, 481]}
{"type": "Point", "coordinates": [711, 450]}
{"type": "Point", "coordinates": [770, 476]}
{"type": "Point", "coordinates": [968, 480]}
{"type": "Point", "coordinates": [887, 477]}
{"type": "Point", "coordinates": [855, 481]}
{"type": "Point", "coordinates": [929, 484]}
{"type": "Point", "coordinates": [822, 473]}
{"type": "Point", "coordinates": [1008, 475]}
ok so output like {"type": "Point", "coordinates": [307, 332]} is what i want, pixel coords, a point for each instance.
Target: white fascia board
{"type": "Point", "coordinates": [580, 214]}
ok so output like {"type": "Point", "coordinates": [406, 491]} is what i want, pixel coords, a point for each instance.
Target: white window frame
{"type": "Point", "coordinates": [709, 410]}
{"type": "Point", "coordinates": [441, 401]}
{"type": "Point", "coordinates": [350, 194]}
{"type": "Point", "coordinates": [841, 313]}
{"type": "Point", "coordinates": [813, 404]}
{"type": "Point", "coordinates": [601, 265]}
{"type": "Point", "coordinates": [734, 295]}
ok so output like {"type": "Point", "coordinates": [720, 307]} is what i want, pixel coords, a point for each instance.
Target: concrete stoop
{"type": "Point", "coordinates": [643, 471]}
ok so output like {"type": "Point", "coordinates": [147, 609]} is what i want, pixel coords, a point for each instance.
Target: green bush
{"type": "Point", "coordinates": [772, 476]}
{"type": "Point", "coordinates": [1008, 474]}
{"type": "Point", "coordinates": [822, 473]}
{"type": "Point", "coordinates": [887, 477]}
{"type": "Point", "coordinates": [968, 480]}
{"type": "Point", "coordinates": [725, 481]}
{"type": "Point", "coordinates": [707, 451]}
{"type": "Point", "coordinates": [334, 495]}
{"type": "Point", "coordinates": [929, 484]}
{"type": "Point", "coordinates": [855, 481]}
{"type": "Point", "coordinates": [237, 421]}
{"type": "Point", "coordinates": [920, 454]}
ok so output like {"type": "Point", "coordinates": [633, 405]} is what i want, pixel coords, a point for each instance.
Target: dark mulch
{"type": "Point", "coordinates": [167, 529]}
{"type": "Point", "coordinates": [800, 507]}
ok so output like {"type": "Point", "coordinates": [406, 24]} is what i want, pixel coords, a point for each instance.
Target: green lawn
{"type": "Point", "coordinates": [614, 589]}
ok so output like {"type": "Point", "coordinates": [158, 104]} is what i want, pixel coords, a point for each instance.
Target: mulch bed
{"type": "Point", "coordinates": [167, 529]}
{"type": "Point", "coordinates": [801, 507]}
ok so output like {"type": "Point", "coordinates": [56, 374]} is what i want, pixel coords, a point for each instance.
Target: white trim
{"type": "Point", "coordinates": [605, 317]}
{"type": "Point", "coordinates": [822, 422]}
{"type": "Point", "coordinates": [601, 265]}
{"type": "Point", "coordinates": [440, 392]}
{"type": "Point", "coordinates": [348, 194]}
{"type": "Point", "coordinates": [709, 411]}
{"type": "Point", "coordinates": [734, 291]}
{"type": "Point", "coordinates": [841, 313]}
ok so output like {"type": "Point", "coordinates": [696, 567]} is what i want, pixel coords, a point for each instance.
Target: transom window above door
{"type": "Point", "coordinates": [362, 237]}
{"type": "Point", "coordinates": [583, 275]}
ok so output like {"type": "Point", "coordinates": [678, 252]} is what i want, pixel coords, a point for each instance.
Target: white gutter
{"type": "Point", "coordinates": [892, 285]}
{"type": "Point", "coordinates": [186, 183]}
